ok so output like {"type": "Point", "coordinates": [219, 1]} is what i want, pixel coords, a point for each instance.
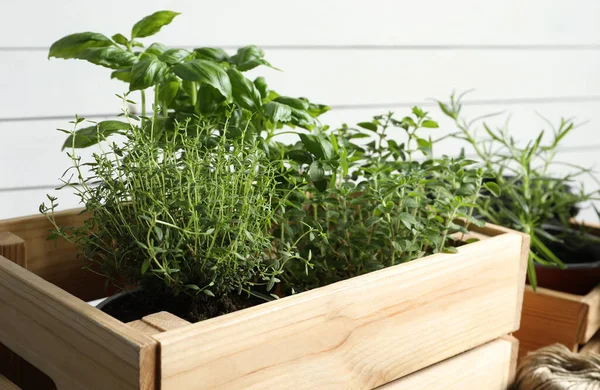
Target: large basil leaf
{"type": "Point", "coordinates": [122, 74]}
{"type": "Point", "coordinates": [293, 102]}
{"type": "Point", "coordinates": [89, 136]}
{"type": "Point", "coordinates": [156, 49]}
{"type": "Point", "coordinates": [147, 73]}
{"type": "Point", "coordinates": [205, 72]}
{"type": "Point", "coordinates": [209, 99]}
{"type": "Point", "coordinates": [112, 57]}
{"type": "Point", "coordinates": [320, 147]}
{"type": "Point", "coordinates": [152, 24]}
{"type": "Point", "coordinates": [168, 90]}
{"type": "Point", "coordinates": [212, 54]}
{"type": "Point", "coordinates": [71, 45]}
{"type": "Point", "coordinates": [174, 56]}
{"type": "Point", "coordinates": [245, 93]}
{"type": "Point", "coordinates": [278, 112]}
{"type": "Point", "coordinates": [249, 57]}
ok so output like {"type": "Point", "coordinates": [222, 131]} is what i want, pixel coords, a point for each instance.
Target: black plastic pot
{"type": "Point", "coordinates": [581, 258]}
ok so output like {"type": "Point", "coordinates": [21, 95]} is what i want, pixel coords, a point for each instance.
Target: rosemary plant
{"type": "Point", "coordinates": [534, 198]}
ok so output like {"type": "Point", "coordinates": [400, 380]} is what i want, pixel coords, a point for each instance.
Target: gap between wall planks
{"type": "Point", "coordinates": [78, 346]}
{"type": "Point", "coordinates": [5, 384]}
{"type": "Point", "coordinates": [319, 328]}
{"type": "Point", "coordinates": [492, 365]}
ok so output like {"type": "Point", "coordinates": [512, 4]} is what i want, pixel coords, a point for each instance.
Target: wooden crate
{"type": "Point", "coordinates": [491, 366]}
{"type": "Point", "coordinates": [555, 317]}
{"type": "Point", "coordinates": [359, 333]}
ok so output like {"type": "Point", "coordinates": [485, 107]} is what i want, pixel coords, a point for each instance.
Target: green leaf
{"type": "Point", "coordinates": [147, 73]}
{"type": "Point", "coordinates": [211, 54]}
{"type": "Point", "coordinates": [174, 56]}
{"type": "Point", "coordinates": [317, 109]}
{"type": "Point", "coordinates": [262, 87]}
{"type": "Point", "coordinates": [209, 99]}
{"type": "Point", "coordinates": [192, 287]}
{"type": "Point", "coordinates": [425, 146]}
{"type": "Point", "coordinates": [316, 172]}
{"type": "Point", "coordinates": [112, 57]}
{"type": "Point", "coordinates": [93, 134]}
{"type": "Point", "coordinates": [320, 147]}
{"type": "Point", "coordinates": [122, 74]}
{"type": "Point", "coordinates": [278, 112]}
{"type": "Point", "coordinates": [158, 232]}
{"type": "Point", "coordinates": [493, 188]}
{"type": "Point", "coordinates": [368, 126]}
{"type": "Point", "coordinates": [245, 93]}
{"type": "Point", "coordinates": [145, 265]}
{"type": "Point", "coordinates": [168, 91]}
{"type": "Point", "coordinates": [450, 249]}
{"type": "Point", "coordinates": [71, 45]}
{"type": "Point", "coordinates": [249, 57]}
{"type": "Point", "coordinates": [292, 102]}
{"type": "Point", "coordinates": [156, 49]}
{"type": "Point", "coordinates": [152, 24]}
{"type": "Point", "coordinates": [430, 124]}
{"type": "Point", "coordinates": [120, 39]}
{"type": "Point", "coordinates": [205, 72]}
{"type": "Point", "coordinates": [407, 219]}
{"type": "Point", "coordinates": [419, 113]}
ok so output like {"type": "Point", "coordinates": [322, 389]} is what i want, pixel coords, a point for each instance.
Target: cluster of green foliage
{"type": "Point", "coordinates": [204, 82]}
{"type": "Point", "coordinates": [194, 211]}
{"type": "Point", "coordinates": [203, 199]}
{"type": "Point", "coordinates": [534, 197]}
{"type": "Point", "coordinates": [374, 203]}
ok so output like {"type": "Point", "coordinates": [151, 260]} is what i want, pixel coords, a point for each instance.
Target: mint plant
{"type": "Point", "coordinates": [186, 85]}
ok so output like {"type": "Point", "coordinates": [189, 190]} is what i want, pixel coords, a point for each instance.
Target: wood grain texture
{"type": "Point", "coordinates": [56, 261]}
{"type": "Point", "coordinates": [22, 373]}
{"type": "Point", "coordinates": [491, 366]}
{"type": "Point", "coordinates": [158, 323]}
{"type": "Point", "coordinates": [78, 346]}
{"type": "Point", "coordinates": [359, 333]}
{"type": "Point", "coordinates": [13, 248]}
{"type": "Point", "coordinates": [5, 384]}
{"type": "Point", "coordinates": [551, 317]}
{"type": "Point", "coordinates": [592, 320]}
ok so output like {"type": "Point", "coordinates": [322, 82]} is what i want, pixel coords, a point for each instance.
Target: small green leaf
{"type": "Point", "coordinates": [158, 232]}
{"type": "Point", "coordinates": [168, 91]}
{"type": "Point", "coordinates": [145, 265]}
{"type": "Point", "coordinates": [430, 124]}
{"type": "Point", "coordinates": [155, 49]}
{"type": "Point", "coordinates": [292, 102]}
{"type": "Point", "coordinates": [152, 24]}
{"type": "Point", "coordinates": [205, 72]}
{"type": "Point", "coordinates": [249, 57]}
{"type": "Point", "coordinates": [192, 287]}
{"type": "Point", "coordinates": [147, 73]}
{"type": "Point", "coordinates": [493, 188]}
{"type": "Point", "coordinates": [122, 74]}
{"type": "Point", "coordinates": [120, 39]}
{"type": "Point", "coordinates": [209, 293]}
{"type": "Point", "coordinates": [419, 113]}
{"type": "Point", "coordinates": [92, 135]}
{"type": "Point", "coordinates": [262, 87]}
{"type": "Point", "coordinates": [316, 172]}
{"type": "Point", "coordinates": [450, 249]}
{"type": "Point", "coordinates": [368, 126]}
{"type": "Point", "coordinates": [320, 147]}
{"type": "Point", "coordinates": [71, 45]}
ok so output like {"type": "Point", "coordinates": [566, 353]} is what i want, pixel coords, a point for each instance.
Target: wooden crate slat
{"type": "Point", "coordinates": [56, 261]}
{"type": "Point", "coordinates": [592, 346]}
{"type": "Point", "coordinates": [158, 323]}
{"type": "Point", "coordinates": [5, 384]}
{"type": "Point", "coordinates": [491, 366]}
{"type": "Point", "coordinates": [592, 321]}
{"type": "Point", "coordinates": [358, 333]}
{"type": "Point", "coordinates": [13, 248]}
{"type": "Point", "coordinates": [550, 317]}
{"type": "Point", "coordinates": [78, 346]}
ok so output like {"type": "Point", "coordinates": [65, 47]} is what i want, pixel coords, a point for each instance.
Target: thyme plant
{"type": "Point", "coordinates": [190, 215]}
{"type": "Point", "coordinates": [534, 198]}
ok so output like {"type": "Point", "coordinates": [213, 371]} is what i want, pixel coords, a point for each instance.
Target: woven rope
{"type": "Point", "coordinates": [556, 368]}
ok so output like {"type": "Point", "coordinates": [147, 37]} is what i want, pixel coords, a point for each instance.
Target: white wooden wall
{"type": "Point", "coordinates": [360, 57]}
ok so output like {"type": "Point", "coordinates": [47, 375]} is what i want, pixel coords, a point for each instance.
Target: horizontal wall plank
{"type": "Point", "coordinates": [316, 22]}
{"type": "Point", "coordinates": [338, 78]}
{"type": "Point", "coordinates": [34, 146]}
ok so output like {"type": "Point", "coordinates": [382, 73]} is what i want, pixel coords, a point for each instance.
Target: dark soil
{"type": "Point", "coordinates": [135, 305]}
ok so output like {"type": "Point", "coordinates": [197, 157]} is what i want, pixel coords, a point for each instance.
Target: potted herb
{"type": "Point", "coordinates": [565, 255]}
{"type": "Point", "coordinates": [376, 256]}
